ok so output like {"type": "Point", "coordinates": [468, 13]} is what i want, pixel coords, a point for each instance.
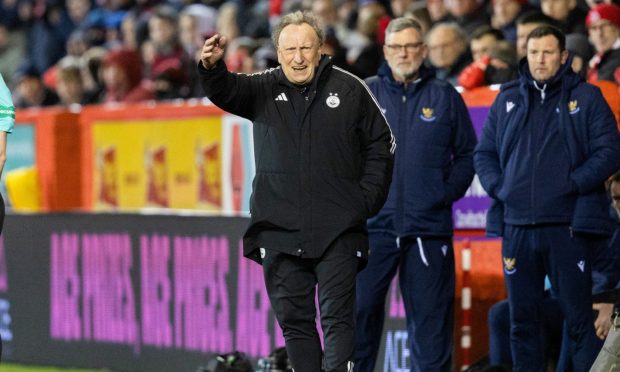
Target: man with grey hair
{"type": "Point", "coordinates": [448, 51]}
{"type": "Point", "coordinates": [324, 155]}
{"type": "Point", "coordinates": [412, 234]}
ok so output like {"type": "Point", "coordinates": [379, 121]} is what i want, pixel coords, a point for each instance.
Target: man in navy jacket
{"type": "Point", "coordinates": [548, 145]}
{"type": "Point", "coordinates": [413, 231]}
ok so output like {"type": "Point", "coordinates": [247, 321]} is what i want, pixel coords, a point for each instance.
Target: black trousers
{"type": "Point", "coordinates": [291, 282]}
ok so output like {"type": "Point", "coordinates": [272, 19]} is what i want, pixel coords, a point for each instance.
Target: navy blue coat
{"type": "Point", "coordinates": [434, 160]}
{"type": "Point", "coordinates": [590, 140]}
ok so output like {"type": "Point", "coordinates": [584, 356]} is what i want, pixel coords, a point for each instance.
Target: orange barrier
{"type": "Point", "coordinates": [57, 156]}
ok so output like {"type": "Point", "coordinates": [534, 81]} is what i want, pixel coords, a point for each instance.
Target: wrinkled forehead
{"type": "Point", "coordinates": [297, 35]}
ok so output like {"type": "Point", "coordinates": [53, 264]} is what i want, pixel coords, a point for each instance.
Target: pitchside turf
{"type": "Point", "coordinates": [23, 368]}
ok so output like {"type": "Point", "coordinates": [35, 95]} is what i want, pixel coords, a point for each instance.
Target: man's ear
{"type": "Point", "coordinates": [564, 56]}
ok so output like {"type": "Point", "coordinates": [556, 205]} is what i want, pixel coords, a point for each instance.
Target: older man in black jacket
{"type": "Point", "coordinates": [324, 155]}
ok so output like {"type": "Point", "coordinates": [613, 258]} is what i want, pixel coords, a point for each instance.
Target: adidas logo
{"type": "Point", "coordinates": [281, 97]}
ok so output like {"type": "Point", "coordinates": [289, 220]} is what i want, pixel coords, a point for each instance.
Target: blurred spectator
{"type": "Point", "coordinates": [253, 18]}
{"type": "Point", "coordinates": [170, 81]}
{"type": "Point", "coordinates": [77, 11]}
{"type": "Point", "coordinates": [468, 14]}
{"type": "Point", "coordinates": [69, 84]}
{"type": "Point", "coordinates": [196, 24]}
{"type": "Point", "coordinates": [94, 30]}
{"type": "Point", "coordinates": [29, 89]}
{"type": "Point", "coordinates": [593, 3]}
{"type": "Point", "coordinates": [327, 15]}
{"type": "Point", "coordinates": [569, 17]}
{"type": "Point", "coordinates": [447, 51]}
{"type": "Point", "coordinates": [148, 53]}
{"type": "Point", "coordinates": [364, 53]}
{"type": "Point", "coordinates": [497, 66]}
{"type": "Point", "coordinates": [526, 23]}
{"type": "Point", "coordinates": [504, 16]}
{"type": "Point", "coordinates": [47, 35]}
{"type": "Point", "coordinates": [437, 10]}
{"type": "Point", "coordinates": [419, 13]}
{"type": "Point", "coordinates": [603, 23]}
{"type": "Point", "coordinates": [400, 7]}
{"type": "Point", "coordinates": [92, 74]}
{"type": "Point", "coordinates": [112, 24]}
{"type": "Point", "coordinates": [122, 77]}
{"type": "Point", "coordinates": [9, 15]}
{"type": "Point", "coordinates": [239, 55]}
{"type": "Point", "coordinates": [582, 52]}
{"type": "Point", "coordinates": [163, 35]}
{"type": "Point", "coordinates": [227, 21]}
{"type": "Point", "coordinates": [335, 28]}
{"type": "Point", "coordinates": [265, 57]}
{"type": "Point", "coordinates": [11, 52]}
{"type": "Point", "coordinates": [482, 40]}
{"type": "Point", "coordinates": [129, 31]}
{"type": "Point", "coordinates": [77, 43]}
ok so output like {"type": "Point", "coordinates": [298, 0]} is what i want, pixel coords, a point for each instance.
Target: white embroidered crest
{"type": "Point", "coordinates": [333, 101]}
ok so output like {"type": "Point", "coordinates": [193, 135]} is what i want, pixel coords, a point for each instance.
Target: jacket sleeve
{"type": "Point", "coordinates": [234, 93]}
{"type": "Point", "coordinates": [7, 109]}
{"type": "Point", "coordinates": [486, 154]}
{"type": "Point", "coordinates": [603, 144]}
{"type": "Point", "coordinates": [463, 144]}
{"type": "Point", "coordinates": [377, 146]}
{"type": "Point", "coordinates": [472, 76]}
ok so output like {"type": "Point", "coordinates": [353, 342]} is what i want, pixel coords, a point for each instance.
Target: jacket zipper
{"type": "Point", "coordinates": [402, 128]}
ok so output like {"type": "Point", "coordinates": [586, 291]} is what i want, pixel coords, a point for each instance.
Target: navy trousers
{"type": "Point", "coordinates": [426, 276]}
{"type": "Point", "coordinates": [529, 253]}
{"type": "Point", "coordinates": [291, 283]}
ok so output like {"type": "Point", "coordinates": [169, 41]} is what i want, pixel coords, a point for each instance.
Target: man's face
{"type": "Point", "coordinates": [444, 48]}
{"type": "Point", "coordinates": [603, 35]}
{"type": "Point", "coordinates": [299, 53]}
{"type": "Point", "coordinates": [404, 52]}
{"type": "Point", "coordinates": [461, 8]}
{"type": "Point", "coordinates": [505, 11]}
{"type": "Point", "coordinates": [544, 57]}
{"type": "Point", "coordinates": [399, 7]}
{"type": "Point", "coordinates": [522, 32]}
{"type": "Point", "coordinates": [615, 196]}
{"type": "Point", "coordinates": [325, 11]}
{"type": "Point", "coordinates": [557, 9]}
{"type": "Point", "coordinates": [481, 46]}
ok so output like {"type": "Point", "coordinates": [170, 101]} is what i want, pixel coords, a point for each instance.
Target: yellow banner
{"type": "Point", "coordinates": [175, 163]}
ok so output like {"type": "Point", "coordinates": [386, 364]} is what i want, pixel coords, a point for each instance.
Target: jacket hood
{"type": "Point", "coordinates": [385, 72]}
{"type": "Point", "coordinates": [565, 74]}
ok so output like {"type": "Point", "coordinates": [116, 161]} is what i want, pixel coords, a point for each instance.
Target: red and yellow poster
{"type": "Point", "coordinates": [169, 163]}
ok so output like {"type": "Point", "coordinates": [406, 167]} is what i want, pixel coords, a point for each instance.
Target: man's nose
{"type": "Point", "coordinates": [298, 57]}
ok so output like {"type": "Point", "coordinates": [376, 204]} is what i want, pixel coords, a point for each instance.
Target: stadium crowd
{"type": "Point", "coordinates": [55, 52]}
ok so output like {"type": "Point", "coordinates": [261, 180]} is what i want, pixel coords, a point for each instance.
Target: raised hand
{"type": "Point", "coordinates": [212, 50]}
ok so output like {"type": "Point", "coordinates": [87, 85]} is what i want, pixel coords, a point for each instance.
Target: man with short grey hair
{"type": "Point", "coordinates": [323, 153]}
{"type": "Point", "coordinates": [412, 234]}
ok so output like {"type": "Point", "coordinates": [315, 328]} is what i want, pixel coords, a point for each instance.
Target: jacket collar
{"type": "Point", "coordinates": [564, 79]}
